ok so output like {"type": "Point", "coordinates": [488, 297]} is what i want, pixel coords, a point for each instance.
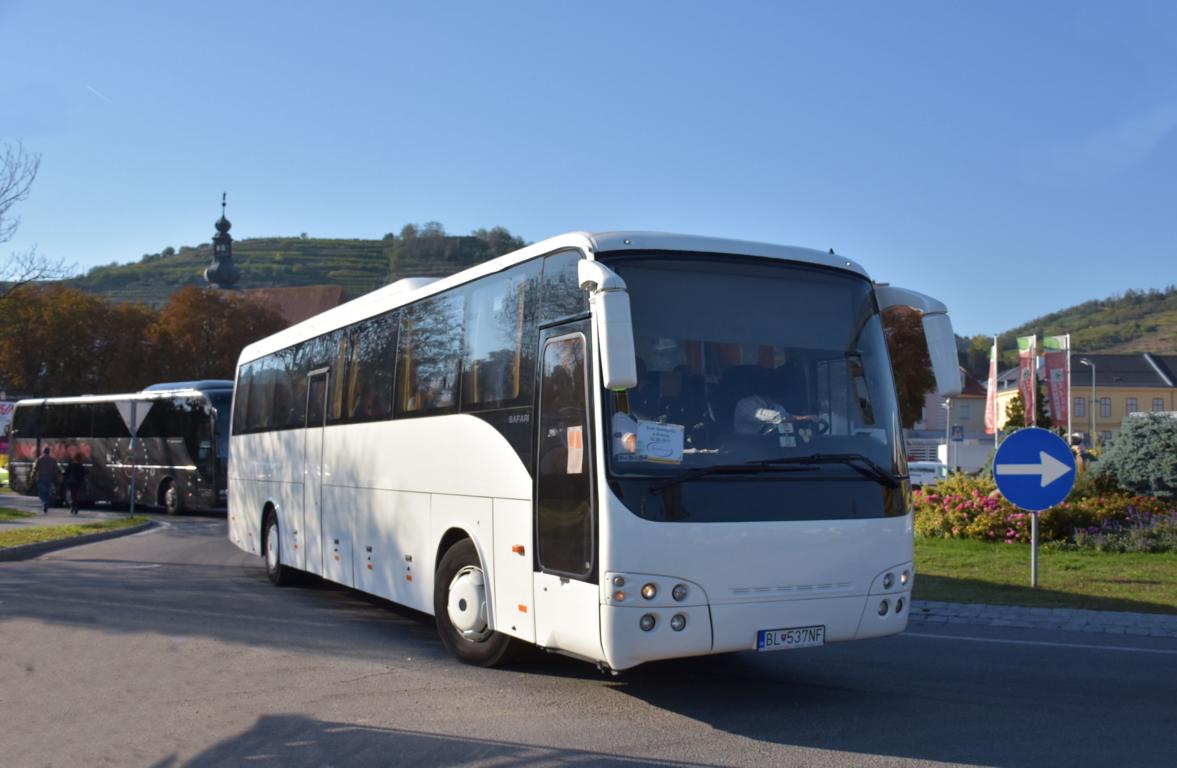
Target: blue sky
{"type": "Point", "coordinates": [1008, 158]}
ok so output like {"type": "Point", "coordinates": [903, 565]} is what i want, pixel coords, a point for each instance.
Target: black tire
{"type": "Point", "coordinates": [171, 499]}
{"type": "Point", "coordinates": [477, 644]}
{"type": "Point", "coordinates": [279, 575]}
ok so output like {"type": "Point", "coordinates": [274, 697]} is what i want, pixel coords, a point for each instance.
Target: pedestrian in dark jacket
{"type": "Point", "coordinates": [75, 475]}
{"type": "Point", "coordinates": [45, 473]}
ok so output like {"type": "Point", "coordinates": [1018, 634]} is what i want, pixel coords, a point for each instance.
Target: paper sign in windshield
{"type": "Point", "coordinates": [660, 442]}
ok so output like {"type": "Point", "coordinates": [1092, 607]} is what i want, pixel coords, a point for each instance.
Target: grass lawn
{"type": "Point", "coordinates": [34, 534]}
{"type": "Point", "coordinates": [976, 572]}
{"type": "Point", "coordinates": [13, 514]}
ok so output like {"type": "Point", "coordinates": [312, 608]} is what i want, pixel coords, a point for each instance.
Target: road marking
{"type": "Point", "coordinates": [1004, 641]}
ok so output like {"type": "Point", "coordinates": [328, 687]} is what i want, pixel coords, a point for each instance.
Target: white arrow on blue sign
{"type": "Point", "coordinates": [1034, 469]}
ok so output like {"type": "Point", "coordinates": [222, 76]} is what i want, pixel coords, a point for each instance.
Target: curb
{"type": "Point", "coordinates": [26, 551]}
{"type": "Point", "coordinates": [932, 612]}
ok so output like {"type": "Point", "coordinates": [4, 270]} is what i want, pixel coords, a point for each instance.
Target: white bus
{"type": "Point", "coordinates": [621, 446]}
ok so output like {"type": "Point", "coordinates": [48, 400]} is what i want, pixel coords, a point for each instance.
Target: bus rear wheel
{"type": "Point", "coordinates": [460, 608]}
{"type": "Point", "coordinates": [279, 575]}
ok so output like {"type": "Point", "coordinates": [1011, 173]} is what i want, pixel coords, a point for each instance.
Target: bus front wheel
{"type": "Point", "coordinates": [460, 608]}
{"type": "Point", "coordinates": [279, 575]}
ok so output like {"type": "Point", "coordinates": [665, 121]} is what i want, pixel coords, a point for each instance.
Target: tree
{"type": "Point", "coordinates": [1143, 457]}
{"type": "Point", "coordinates": [908, 348]}
{"type": "Point", "coordinates": [201, 332]}
{"type": "Point", "coordinates": [18, 170]}
{"type": "Point", "coordinates": [63, 341]}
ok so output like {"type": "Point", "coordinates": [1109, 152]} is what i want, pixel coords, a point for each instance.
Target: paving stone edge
{"type": "Point", "coordinates": [930, 612]}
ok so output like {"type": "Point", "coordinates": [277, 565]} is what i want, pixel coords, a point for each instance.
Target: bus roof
{"type": "Point", "coordinates": [203, 385]}
{"type": "Point", "coordinates": [160, 394]}
{"type": "Point", "coordinates": [593, 243]}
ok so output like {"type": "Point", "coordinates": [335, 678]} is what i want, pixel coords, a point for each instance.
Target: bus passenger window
{"type": "Point", "coordinates": [500, 333]}
{"type": "Point", "coordinates": [430, 355]}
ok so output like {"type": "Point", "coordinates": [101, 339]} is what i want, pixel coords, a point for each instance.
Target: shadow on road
{"type": "Point", "coordinates": [292, 740]}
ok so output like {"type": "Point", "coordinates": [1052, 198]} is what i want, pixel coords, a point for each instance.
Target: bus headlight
{"type": "Point", "coordinates": [619, 596]}
{"type": "Point", "coordinates": [677, 622]}
{"type": "Point", "coordinates": [679, 592]}
{"type": "Point", "coordinates": [884, 606]}
{"type": "Point", "coordinates": [888, 580]}
{"type": "Point", "coordinates": [650, 591]}
{"type": "Point", "coordinates": [619, 581]}
{"type": "Point", "coordinates": [904, 578]}
{"type": "Point", "coordinates": [647, 622]}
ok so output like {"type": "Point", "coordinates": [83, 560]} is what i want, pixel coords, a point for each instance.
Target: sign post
{"type": "Point", "coordinates": [133, 417]}
{"type": "Point", "coordinates": [1034, 470]}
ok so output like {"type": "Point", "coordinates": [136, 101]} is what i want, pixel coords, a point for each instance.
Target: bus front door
{"type": "Point", "coordinates": [312, 487]}
{"type": "Point", "coordinates": [567, 598]}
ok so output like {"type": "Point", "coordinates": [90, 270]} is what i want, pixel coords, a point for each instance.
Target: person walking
{"type": "Point", "coordinates": [45, 473]}
{"type": "Point", "coordinates": [75, 475]}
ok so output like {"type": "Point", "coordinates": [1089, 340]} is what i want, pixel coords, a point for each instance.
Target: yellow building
{"type": "Point", "coordinates": [1107, 388]}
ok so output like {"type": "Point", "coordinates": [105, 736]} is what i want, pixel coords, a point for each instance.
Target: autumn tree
{"type": "Point", "coordinates": [62, 341]}
{"type": "Point", "coordinates": [908, 348]}
{"type": "Point", "coordinates": [201, 332]}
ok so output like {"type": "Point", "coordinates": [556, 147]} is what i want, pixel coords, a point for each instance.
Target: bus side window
{"type": "Point", "coordinates": [500, 338]}
{"type": "Point", "coordinates": [261, 385]}
{"type": "Point", "coordinates": [340, 359]}
{"type": "Point", "coordinates": [373, 361]}
{"type": "Point", "coordinates": [562, 295]}
{"type": "Point", "coordinates": [241, 393]}
{"type": "Point", "coordinates": [430, 357]}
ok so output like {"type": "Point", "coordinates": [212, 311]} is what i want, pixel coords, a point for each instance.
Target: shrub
{"type": "Point", "coordinates": [1143, 458]}
{"type": "Point", "coordinates": [963, 507]}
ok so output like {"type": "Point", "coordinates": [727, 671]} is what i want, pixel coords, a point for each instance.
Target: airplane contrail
{"type": "Point", "coordinates": [100, 95]}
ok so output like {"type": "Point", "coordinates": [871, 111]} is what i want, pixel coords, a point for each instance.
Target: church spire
{"type": "Point", "coordinates": [221, 271]}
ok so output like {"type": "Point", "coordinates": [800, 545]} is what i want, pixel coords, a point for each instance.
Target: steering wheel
{"type": "Point", "coordinates": [816, 423]}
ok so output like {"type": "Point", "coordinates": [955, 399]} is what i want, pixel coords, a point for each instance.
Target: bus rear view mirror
{"type": "Point", "coordinates": [937, 331]}
{"type": "Point", "coordinates": [612, 323]}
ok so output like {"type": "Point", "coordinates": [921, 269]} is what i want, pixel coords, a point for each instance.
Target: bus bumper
{"type": "Point", "coordinates": [736, 626]}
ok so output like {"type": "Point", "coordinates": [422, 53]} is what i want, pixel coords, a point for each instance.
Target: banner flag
{"type": "Point", "coordinates": [991, 395]}
{"type": "Point", "coordinates": [1027, 357]}
{"type": "Point", "coordinates": [1058, 387]}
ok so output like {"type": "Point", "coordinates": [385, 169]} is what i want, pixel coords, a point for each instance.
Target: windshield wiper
{"type": "Point", "coordinates": [749, 468]}
{"type": "Point", "coordinates": [863, 465]}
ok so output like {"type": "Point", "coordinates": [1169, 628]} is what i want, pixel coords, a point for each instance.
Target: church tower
{"type": "Point", "coordinates": [221, 272]}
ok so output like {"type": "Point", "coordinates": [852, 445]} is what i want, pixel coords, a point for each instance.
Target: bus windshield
{"type": "Point", "coordinates": [745, 362]}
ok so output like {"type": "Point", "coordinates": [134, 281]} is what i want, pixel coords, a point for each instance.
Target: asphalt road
{"type": "Point", "coordinates": [170, 648]}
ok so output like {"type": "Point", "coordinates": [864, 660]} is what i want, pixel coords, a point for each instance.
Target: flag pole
{"type": "Point", "coordinates": [996, 364]}
{"type": "Point", "coordinates": [1069, 404]}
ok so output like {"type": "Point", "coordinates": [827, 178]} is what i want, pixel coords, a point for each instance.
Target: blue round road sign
{"type": "Point", "coordinates": [1034, 469]}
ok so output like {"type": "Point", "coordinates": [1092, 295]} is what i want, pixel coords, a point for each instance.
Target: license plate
{"type": "Point", "coordinates": [788, 639]}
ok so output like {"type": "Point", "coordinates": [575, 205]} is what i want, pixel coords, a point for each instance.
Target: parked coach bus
{"type": "Point", "coordinates": [181, 451]}
{"type": "Point", "coordinates": [621, 447]}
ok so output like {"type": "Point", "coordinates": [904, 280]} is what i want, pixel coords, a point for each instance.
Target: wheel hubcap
{"type": "Point", "coordinates": [467, 604]}
{"type": "Point", "coordinates": [272, 547]}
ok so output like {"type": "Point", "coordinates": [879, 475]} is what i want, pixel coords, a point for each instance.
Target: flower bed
{"type": "Point", "coordinates": [963, 507]}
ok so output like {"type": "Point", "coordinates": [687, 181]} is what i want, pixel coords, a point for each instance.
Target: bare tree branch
{"type": "Point", "coordinates": [18, 170]}
{"type": "Point", "coordinates": [24, 268]}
